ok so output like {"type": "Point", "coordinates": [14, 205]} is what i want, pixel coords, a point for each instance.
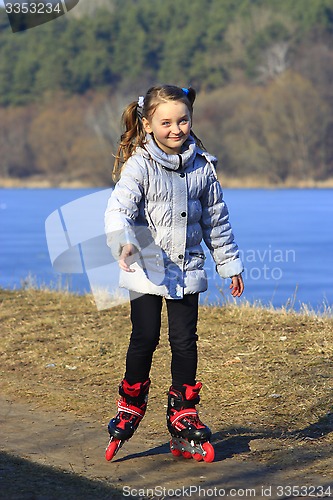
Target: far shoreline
{"type": "Point", "coordinates": [227, 183]}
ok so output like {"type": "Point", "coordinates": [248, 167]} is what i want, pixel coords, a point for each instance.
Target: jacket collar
{"type": "Point", "coordinates": [172, 162]}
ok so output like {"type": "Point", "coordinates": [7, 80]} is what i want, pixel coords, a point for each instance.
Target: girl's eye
{"type": "Point", "coordinates": [165, 124]}
{"type": "Point", "coordinates": [185, 120]}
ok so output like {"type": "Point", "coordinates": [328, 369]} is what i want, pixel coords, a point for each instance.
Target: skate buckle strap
{"type": "Point", "coordinates": [181, 405]}
{"type": "Point", "coordinates": [192, 391]}
{"type": "Point", "coordinates": [133, 410]}
{"type": "Point", "coordinates": [131, 390]}
{"type": "Point", "coordinates": [134, 391]}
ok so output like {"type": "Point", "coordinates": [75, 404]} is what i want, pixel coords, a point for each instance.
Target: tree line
{"type": "Point", "coordinates": [263, 71]}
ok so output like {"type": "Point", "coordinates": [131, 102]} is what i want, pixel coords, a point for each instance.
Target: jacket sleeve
{"type": "Point", "coordinates": [217, 231]}
{"type": "Point", "coordinates": [123, 208]}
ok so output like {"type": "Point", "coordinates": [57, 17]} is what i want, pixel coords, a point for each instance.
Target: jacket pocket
{"type": "Point", "coordinates": [201, 255]}
{"type": "Point", "coordinates": [195, 261]}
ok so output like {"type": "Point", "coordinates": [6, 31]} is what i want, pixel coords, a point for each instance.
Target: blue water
{"type": "Point", "coordinates": [285, 237]}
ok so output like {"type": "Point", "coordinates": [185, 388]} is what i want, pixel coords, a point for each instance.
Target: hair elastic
{"type": "Point", "coordinates": [141, 101]}
{"type": "Point", "coordinates": [185, 90]}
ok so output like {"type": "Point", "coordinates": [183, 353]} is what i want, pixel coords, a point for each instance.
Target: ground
{"type": "Point", "coordinates": [266, 395]}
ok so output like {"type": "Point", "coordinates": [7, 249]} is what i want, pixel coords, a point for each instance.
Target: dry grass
{"type": "Point", "coordinates": [255, 182]}
{"type": "Point", "coordinates": [248, 182]}
{"type": "Point", "coordinates": [262, 369]}
{"type": "Point", "coordinates": [267, 380]}
{"type": "Point", "coordinates": [41, 182]}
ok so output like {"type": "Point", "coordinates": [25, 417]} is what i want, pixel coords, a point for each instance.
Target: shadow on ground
{"type": "Point", "coordinates": [237, 441]}
{"type": "Point", "coordinates": [21, 479]}
{"type": "Point", "coordinates": [245, 457]}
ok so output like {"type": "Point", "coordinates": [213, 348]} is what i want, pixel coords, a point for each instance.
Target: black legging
{"type": "Point", "coordinates": [146, 325]}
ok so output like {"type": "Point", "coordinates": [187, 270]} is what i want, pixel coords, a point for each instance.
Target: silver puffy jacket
{"type": "Point", "coordinates": [166, 205]}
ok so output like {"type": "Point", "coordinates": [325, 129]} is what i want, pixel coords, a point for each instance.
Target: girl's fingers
{"type": "Point", "coordinates": [236, 286]}
{"type": "Point", "coordinates": [126, 258]}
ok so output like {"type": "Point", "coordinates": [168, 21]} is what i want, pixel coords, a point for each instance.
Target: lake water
{"type": "Point", "coordinates": [285, 237]}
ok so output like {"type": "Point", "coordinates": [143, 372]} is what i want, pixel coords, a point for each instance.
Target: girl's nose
{"type": "Point", "coordinates": [176, 129]}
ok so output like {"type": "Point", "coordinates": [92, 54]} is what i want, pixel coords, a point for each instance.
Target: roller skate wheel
{"type": "Point", "coordinates": [175, 452]}
{"type": "Point", "coordinates": [186, 454]}
{"type": "Point", "coordinates": [112, 449]}
{"type": "Point", "coordinates": [210, 452]}
{"type": "Point", "coordinates": [197, 457]}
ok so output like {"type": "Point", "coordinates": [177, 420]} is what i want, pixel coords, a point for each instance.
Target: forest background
{"type": "Point", "coordinates": [263, 70]}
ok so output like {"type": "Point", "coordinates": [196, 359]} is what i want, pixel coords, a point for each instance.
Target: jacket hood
{"type": "Point", "coordinates": [172, 162]}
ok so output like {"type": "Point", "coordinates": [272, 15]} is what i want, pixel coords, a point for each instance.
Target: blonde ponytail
{"type": "Point", "coordinates": [133, 136]}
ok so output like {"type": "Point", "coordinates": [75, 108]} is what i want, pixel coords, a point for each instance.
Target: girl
{"type": "Point", "coordinates": [166, 201]}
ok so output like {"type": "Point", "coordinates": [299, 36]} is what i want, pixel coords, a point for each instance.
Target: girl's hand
{"type": "Point", "coordinates": [126, 257]}
{"type": "Point", "coordinates": [237, 286]}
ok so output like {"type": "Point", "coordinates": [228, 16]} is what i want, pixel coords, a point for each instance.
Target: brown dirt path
{"type": "Point", "coordinates": [52, 455]}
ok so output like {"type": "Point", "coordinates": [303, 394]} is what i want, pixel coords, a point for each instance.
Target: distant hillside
{"type": "Point", "coordinates": [263, 71]}
{"type": "Point", "coordinates": [125, 43]}
{"type": "Point", "coordinates": [89, 7]}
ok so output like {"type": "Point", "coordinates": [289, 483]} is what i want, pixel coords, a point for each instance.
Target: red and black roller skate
{"type": "Point", "coordinates": [131, 409]}
{"type": "Point", "coordinates": [190, 437]}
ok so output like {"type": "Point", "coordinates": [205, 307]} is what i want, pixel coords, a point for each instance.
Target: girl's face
{"type": "Point", "coordinates": [170, 124]}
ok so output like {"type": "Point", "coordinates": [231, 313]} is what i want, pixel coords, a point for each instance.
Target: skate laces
{"type": "Point", "coordinates": [195, 420]}
{"type": "Point", "coordinates": [124, 415]}
{"type": "Point", "coordinates": [189, 416]}
{"type": "Point", "coordinates": [192, 419]}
